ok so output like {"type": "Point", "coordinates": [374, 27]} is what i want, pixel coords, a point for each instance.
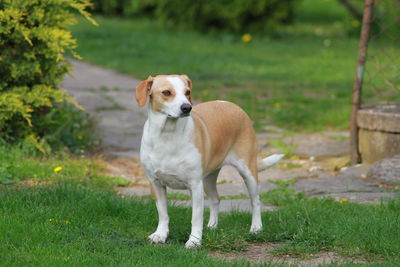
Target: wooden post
{"type": "Point", "coordinates": [358, 81]}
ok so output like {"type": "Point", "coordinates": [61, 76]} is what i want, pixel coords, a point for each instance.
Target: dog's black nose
{"type": "Point", "coordinates": [186, 108]}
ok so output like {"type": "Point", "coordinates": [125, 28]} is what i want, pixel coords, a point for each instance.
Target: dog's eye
{"type": "Point", "coordinates": [187, 93]}
{"type": "Point", "coordinates": [166, 92]}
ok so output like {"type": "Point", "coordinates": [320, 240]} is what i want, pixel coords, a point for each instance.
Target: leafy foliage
{"type": "Point", "coordinates": [387, 20]}
{"type": "Point", "coordinates": [34, 38]}
{"type": "Point", "coordinates": [64, 126]}
{"type": "Point", "coordinates": [236, 16]}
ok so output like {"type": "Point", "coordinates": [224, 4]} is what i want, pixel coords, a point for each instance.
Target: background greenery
{"type": "Point", "coordinates": [34, 38]}
{"type": "Point", "coordinates": [228, 15]}
{"type": "Point", "coordinates": [301, 79]}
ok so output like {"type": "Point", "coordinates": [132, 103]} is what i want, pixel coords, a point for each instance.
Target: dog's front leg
{"type": "Point", "coordinates": [197, 215]}
{"type": "Point", "coordinates": [161, 234]}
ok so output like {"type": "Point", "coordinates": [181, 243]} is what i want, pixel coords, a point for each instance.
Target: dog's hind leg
{"type": "Point", "coordinates": [247, 168]}
{"type": "Point", "coordinates": [210, 187]}
{"type": "Point", "coordinates": [252, 187]}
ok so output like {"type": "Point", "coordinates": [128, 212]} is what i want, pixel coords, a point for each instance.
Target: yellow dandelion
{"type": "Point", "coordinates": [327, 42]}
{"type": "Point", "coordinates": [343, 200]}
{"type": "Point", "coordinates": [355, 23]}
{"type": "Point", "coordinates": [79, 137]}
{"type": "Point", "coordinates": [57, 169]}
{"type": "Point", "coordinates": [246, 38]}
{"type": "Point", "coordinates": [277, 105]}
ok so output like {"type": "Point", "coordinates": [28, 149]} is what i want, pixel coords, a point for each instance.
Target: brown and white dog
{"type": "Point", "coordinates": [184, 147]}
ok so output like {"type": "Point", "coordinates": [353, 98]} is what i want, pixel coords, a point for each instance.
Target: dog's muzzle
{"type": "Point", "coordinates": [185, 109]}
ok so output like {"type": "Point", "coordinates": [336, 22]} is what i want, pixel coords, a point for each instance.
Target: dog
{"type": "Point", "coordinates": [184, 147]}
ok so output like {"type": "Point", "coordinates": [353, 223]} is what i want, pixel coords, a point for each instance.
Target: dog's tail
{"type": "Point", "coordinates": [269, 161]}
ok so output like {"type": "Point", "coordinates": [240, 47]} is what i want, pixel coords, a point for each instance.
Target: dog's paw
{"type": "Point", "coordinates": [212, 224]}
{"type": "Point", "coordinates": [193, 242]}
{"type": "Point", "coordinates": [255, 229]}
{"type": "Point", "coordinates": [158, 237]}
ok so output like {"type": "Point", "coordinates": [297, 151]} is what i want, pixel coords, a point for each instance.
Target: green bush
{"type": "Point", "coordinates": [64, 127]}
{"type": "Point", "coordinates": [34, 38]}
{"type": "Point", "coordinates": [387, 20]}
{"type": "Point", "coordinates": [232, 15]}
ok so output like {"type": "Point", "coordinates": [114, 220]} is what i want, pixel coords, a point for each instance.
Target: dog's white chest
{"type": "Point", "coordinates": [171, 160]}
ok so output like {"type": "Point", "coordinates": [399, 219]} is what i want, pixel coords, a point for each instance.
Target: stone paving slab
{"type": "Point", "coordinates": [90, 101]}
{"type": "Point", "coordinates": [224, 190]}
{"type": "Point", "coordinates": [86, 76]}
{"type": "Point", "coordinates": [125, 100]}
{"type": "Point", "coordinates": [362, 197]}
{"type": "Point", "coordinates": [318, 145]}
{"type": "Point", "coordinates": [335, 184]}
{"type": "Point", "coordinates": [109, 98]}
{"type": "Point", "coordinates": [129, 125]}
{"type": "Point", "coordinates": [134, 191]}
{"type": "Point", "coordinates": [350, 185]}
{"type": "Point", "coordinates": [241, 189]}
{"type": "Point", "coordinates": [242, 205]}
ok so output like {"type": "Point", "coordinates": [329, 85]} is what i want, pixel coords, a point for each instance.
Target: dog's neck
{"type": "Point", "coordinates": [159, 123]}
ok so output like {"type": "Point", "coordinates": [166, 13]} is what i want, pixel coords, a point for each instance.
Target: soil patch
{"type": "Point", "coordinates": [263, 253]}
{"type": "Point", "coordinates": [128, 168]}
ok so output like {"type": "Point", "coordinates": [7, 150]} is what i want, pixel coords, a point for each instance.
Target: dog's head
{"type": "Point", "coordinates": [169, 94]}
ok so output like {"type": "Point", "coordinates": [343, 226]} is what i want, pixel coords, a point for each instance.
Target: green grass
{"type": "Point", "coordinates": [286, 148]}
{"type": "Point", "coordinates": [283, 195]}
{"type": "Point", "coordinates": [16, 165]}
{"type": "Point", "coordinates": [70, 224]}
{"type": "Point", "coordinates": [170, 196]}
{"type": "Point", "coordinates": [229, 197]}
{"type": "Point", "coordinates": [301, 79]}
{"type": "Point", "coordinates": [77, 219]}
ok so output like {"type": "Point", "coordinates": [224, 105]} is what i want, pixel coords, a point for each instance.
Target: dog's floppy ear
{"type": "Point", "coordinates": [186, 78]}
{"type": "Point", "coordinates": [142, 91]}
{"type": "Point", "coordinates": [189, 83]}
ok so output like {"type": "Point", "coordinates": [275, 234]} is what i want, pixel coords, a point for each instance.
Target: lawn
{"type": "Point", "coordinates": [301, 79]}
{"type": "Point", "coordinates": [73, 217]}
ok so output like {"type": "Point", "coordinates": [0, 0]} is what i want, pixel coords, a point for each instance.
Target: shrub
{"type": "Point", "coordinates": [124, 7]}
{"type": "Point", "coordinates": [387, 19]}
{"type": "Point", "coordinates": [64, 126]}
{"type": "Point", "coordinates": [232, 15]}
{"type": "Point", "coordinates": [34, 38]}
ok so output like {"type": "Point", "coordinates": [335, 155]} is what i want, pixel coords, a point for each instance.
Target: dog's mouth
{"type": "Point", "coordinates": [185, 114]}
{"type": "Point", "coordinates": [180, 116]}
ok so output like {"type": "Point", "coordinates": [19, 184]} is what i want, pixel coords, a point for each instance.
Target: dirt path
{"type": "Point", "coordinates": [316, 160]}
{"type": "Point", "coordinates": [109, 98]}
